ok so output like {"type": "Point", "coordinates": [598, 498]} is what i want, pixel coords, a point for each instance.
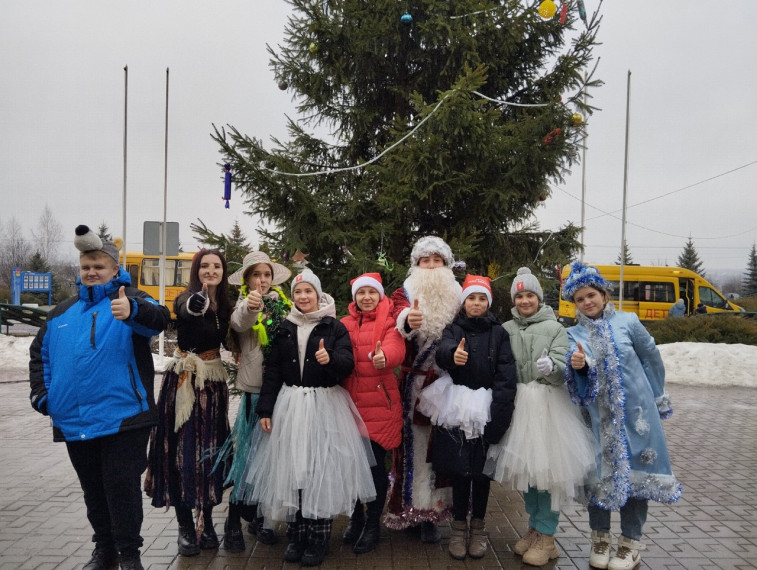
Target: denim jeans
{"type": "Point", "coordinates": [633, 515]}
{"type": "Point", "coordinates": [109, 470]}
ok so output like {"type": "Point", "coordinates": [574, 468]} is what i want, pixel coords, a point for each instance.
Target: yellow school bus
{"type": "Point", "coordinates": [650, 291]}
{"type": "Point", "coordinates": [145, 274]}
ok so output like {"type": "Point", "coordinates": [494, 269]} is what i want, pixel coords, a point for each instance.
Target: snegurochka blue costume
{"type": "Point", "coordinates": [616, 372]}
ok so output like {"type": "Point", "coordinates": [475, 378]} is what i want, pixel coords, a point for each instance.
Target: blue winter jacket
{"type": "Point", "coordinates": [92, 374]}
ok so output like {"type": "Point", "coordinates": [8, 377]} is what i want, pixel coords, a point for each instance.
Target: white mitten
{"type": "Point", "coordinates": [544, 363]}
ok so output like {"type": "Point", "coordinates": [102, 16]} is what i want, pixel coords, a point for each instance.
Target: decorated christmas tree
{"type": "Point", "coordinates": [435, 117]}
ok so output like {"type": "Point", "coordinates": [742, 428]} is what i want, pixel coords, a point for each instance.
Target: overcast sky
{"type": "Point", "coordinates": [693, 135]}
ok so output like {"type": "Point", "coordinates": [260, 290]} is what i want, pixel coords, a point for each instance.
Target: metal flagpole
{"type": "Point", "coordinates": [123, 206]}
{"type": "Point", "coordinates": [161, 339]}
{"type": "Point", "coordinates": [583, 180]}
{"type": "Point", "coordinates": [625, 194]}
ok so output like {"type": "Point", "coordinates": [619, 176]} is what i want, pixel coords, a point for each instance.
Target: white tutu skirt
{"type": "Point", "coordinates": [548, 446]}
{"type": "Point", "coordinates": [318, 452]}
{"type": "Point", "coordinates": [451, 405]}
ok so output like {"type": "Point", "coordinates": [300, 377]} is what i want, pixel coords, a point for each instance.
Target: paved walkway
{"type": "Point", "coordinates": [713, 442]}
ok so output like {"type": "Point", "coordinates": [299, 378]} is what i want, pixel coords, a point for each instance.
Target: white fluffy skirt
{"type": "Point", "coordinates": [451, 405]}
{"type": "Point", "coordinates": [548, 445]}
{"type": "Point", "coordinates": [318, 448]}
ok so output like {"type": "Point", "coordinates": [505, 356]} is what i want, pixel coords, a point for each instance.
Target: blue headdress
{"type": "Point", "coordinates": [583, 276]}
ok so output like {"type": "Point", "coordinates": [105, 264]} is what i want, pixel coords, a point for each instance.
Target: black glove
{"type": "Point", "coordinates": [42, 407]}
{"type": "Point", "coordinates": [197, 303]}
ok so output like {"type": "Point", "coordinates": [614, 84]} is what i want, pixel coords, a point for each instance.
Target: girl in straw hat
{"type": "Point", "coordinates": [259, 311]}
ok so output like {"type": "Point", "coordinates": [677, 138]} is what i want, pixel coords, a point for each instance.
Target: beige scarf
{"type": "Point", "coordinates": [205, 367]}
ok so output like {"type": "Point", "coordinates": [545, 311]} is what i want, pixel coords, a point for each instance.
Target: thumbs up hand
{"type": "Point", "coordinates": [121, 307]}
{"type": "Point", "coordinates": [544, 363]}
{"type": "Point", "coordinates": [415, 317]}
{"type": "Point", "coordinates": [198, 303]}
{"type": "Point", "coordinates": [379, 359]}
{"type": "Point", "coordinates": [322, 355]}
{"type": "Point", "coordinates": [578, 358]}
{"type": "Point", "coordinates": [461, 356]}
{"type": "Point", "coordinates": [255, 297]}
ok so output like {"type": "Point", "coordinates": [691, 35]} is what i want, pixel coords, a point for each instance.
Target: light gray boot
{"type": "Point", "coordinates": [458, 536]}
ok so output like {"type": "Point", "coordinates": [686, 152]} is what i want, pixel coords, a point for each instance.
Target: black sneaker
{"type": "Point", "coordinates": [103, 558]}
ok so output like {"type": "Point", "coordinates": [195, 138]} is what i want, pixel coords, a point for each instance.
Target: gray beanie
{"type": "Point", "coordinates": [86, 241]}
{"type": "Point", "coordinates": [525, 281]}
{"type": "Point", "coordinates": [307, 276]}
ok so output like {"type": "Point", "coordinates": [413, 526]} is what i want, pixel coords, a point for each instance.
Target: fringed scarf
{"type": "Point", "coordinates": [203, 367]}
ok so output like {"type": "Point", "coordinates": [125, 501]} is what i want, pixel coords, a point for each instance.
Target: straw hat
{"type": "Point", "coordinates": [280, 272]}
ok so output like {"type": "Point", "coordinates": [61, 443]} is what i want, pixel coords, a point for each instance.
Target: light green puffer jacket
{"type": "Point", "coordinates": [529, 337]}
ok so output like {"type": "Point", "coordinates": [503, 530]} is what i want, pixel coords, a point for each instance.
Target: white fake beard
{"type": "Point", "coordinates": [438, 294]}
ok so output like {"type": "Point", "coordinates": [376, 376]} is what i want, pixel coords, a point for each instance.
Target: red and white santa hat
{"type": "Point", "coordinates": [368, 280]}
{"type": "Point", "coordinates": [476, 284]}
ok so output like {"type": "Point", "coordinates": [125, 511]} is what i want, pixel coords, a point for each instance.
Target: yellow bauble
{"type": "Point", "coordinates": [313, 48]}
{"type": "Point", "coordinates": [547, 9]}
{"type": "Point", "coordinates": [576, 119]}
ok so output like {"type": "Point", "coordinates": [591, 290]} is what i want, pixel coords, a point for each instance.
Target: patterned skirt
{"type": "Point", "coordinates": [180, 462]}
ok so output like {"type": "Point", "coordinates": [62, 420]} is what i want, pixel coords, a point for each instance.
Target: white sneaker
{"type": "Point", "coordinates": [600, 549]}
{"type": "Point", "coordinates": [627, 556]}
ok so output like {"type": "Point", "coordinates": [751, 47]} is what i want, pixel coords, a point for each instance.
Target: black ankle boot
{"type": "Point", "coordinates": [314, 554]}
{"type": "Point", "coordinates": [208, 538]}
{"type": "Point", "coordinates": [355, 526]}
{"type": "Point", "coordinates": [264, 535]}
{"type": "Point", "coordinates": [131, 561]}
{"type": "Point", "coordinates": [233, 538]}
{"type": "Point", "coordinates": [369, 538]}
{"type": "Point", "coordinates": [103, 558]}
{"type": "Point", "coordinates": [188, 541]}
{"type": "Point", "coordinates": [294, 551]}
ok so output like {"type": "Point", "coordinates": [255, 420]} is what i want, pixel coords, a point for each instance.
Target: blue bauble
{"type": "Point", "coordinates": [406, 19]}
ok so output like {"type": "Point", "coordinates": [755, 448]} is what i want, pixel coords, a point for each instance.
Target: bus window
{"type": "Point", "coordinates": [182, 274]}
{"type": "Point", "coordinates": [711, 299]}
{"type": "Point", "coordinates": [658, 292]}
{"type": "Point", "coordinates": [630, 290]}
{"type": "Point", "coordinates": [134, 274]}
{"type": "Point", "coordinates": [150, 272]}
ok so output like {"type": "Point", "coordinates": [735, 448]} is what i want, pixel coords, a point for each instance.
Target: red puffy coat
{"type": "Point", "coordinates": [375, 392]}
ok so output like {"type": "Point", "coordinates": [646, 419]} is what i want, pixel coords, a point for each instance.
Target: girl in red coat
{"type": "Point", "coordinates": [378, 349]}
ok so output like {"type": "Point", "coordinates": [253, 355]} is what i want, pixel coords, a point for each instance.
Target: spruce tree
{"type": "Point", "coordinates": [104, 232]}
{"type": "Point", "coordinates": [234, 246]}
{"type": "Point", "coordinates": [749, 284]}
{"type": "Point", "coordinates": [624, 255]}
{"type": "Point", "coordinates": [419, 142]}
{"type": "Point", "coordinates": [689, 258]}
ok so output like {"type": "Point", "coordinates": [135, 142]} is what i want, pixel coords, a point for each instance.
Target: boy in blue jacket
{"type": "Point", "coordinates": [91, 371]}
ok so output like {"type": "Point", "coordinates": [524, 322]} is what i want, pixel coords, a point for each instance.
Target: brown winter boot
{"type": "Point", "coordinates": [522, 546]}
{"type": "Point", "coordinates": [457, 538]}
{"type": "Point", "coordinates": [478, 539]}
{"type": "Point", "coordinates": [542, 550]}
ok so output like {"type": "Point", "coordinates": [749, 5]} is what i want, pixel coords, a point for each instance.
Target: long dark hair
{"type": "Point", "coordinates": [222, 290]}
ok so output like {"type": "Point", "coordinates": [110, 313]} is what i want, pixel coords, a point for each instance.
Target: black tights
{"type": "Point", "coordinates": [473, 491]}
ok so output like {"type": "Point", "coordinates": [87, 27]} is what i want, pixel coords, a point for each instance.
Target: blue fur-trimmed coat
{"type": "Point", "coordinates": [623, 388]}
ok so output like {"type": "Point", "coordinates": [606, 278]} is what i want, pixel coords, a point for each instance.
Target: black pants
{"type": "Point", "coordinates": [473, 491]}
{"type": "Point", "coordinates": [109, 470]}
{"type": "Point", "coordinates": [380, 481]}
